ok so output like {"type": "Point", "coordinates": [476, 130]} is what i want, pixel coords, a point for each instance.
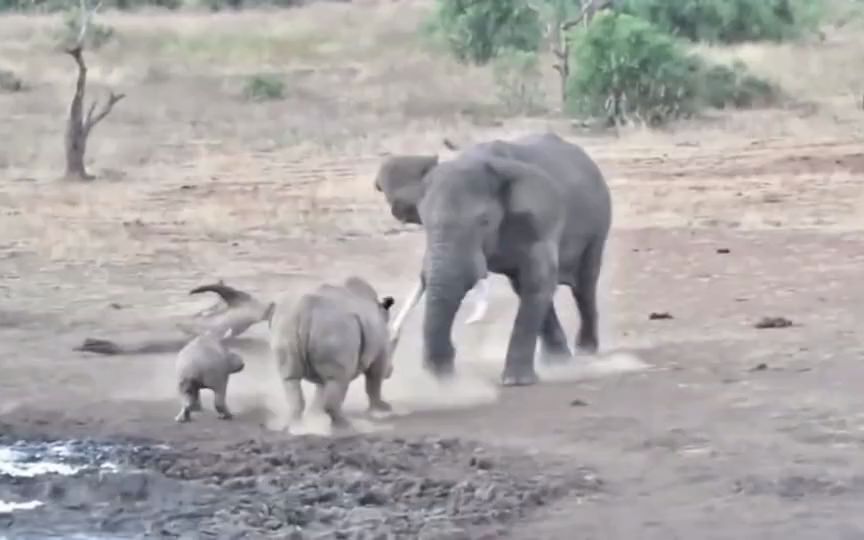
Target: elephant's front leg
{"type": "Point", "coordinates": [553, 341]}
{"type": "Point", "coordinates": [536, 287]}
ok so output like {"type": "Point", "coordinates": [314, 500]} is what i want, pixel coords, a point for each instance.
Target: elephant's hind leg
{"type": "Point", "coordinates": [585, 295]}
{"type": "Point", "coordinates": [553, 341]}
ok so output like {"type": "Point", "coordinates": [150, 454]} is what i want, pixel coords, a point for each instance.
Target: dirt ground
{"type": "Point", "coordinates": [695, 425]}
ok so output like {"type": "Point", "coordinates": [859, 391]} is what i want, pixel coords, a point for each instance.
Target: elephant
{"type": "Point", "coordinates": [205, 362]}
{"type": "Point", "coordinates": [535, 209]}
{"type": "Point", "coordinates": [330, 336]}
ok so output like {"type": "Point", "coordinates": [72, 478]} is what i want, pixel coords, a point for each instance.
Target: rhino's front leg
{"type": "Point", "coordinates": [190, 398]}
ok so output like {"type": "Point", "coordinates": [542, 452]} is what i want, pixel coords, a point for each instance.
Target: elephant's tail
{"type": "Point", "coordinates": [229, 294]}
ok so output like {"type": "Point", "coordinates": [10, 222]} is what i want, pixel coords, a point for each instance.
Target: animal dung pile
{"type": "Point", "coordinates": [304, 487]}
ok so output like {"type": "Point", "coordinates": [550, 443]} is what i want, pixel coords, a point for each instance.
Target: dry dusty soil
{"type": "Point", "coordinates": [731, 431]}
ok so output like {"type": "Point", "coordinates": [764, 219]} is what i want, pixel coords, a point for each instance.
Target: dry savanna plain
{"type": "Point", "coordinates": [699, 424]}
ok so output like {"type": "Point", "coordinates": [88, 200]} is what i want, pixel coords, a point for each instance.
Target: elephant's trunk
{"type": "Point", "coordinates": [450, 272]}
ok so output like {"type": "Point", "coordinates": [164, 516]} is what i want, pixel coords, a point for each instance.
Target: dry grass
{"type": "Point", "coordinates": [359, 83]}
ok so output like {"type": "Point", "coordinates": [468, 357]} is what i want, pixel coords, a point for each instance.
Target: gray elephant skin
{"type": "Point", "coordinates": [535, 209]}
{"type": "Point", "coordinates": [330, 336]}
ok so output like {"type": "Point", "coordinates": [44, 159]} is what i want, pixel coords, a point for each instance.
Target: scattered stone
{"type": "Point", "coordinates": [578, 403]}
{"type": "Point", "coordinates": [9, 82]}
{"type": "Point", "coordinates": [723, 250]}
{"type": "Point", "coordinates": [773, 322]}
{"type": "Point", "coordinates": [759, 367]}
{"type": "Point", "coordinates": [656, 316]}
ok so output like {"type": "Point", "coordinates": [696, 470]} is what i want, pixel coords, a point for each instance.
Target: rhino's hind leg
{"type": "Point", "coordinates": [374, 380]}
{"type": "Point", "coordinates": [190, 396]}
{"type": "Point", "coordinates": [331, 396]}
{"type": "Point", "coordinates": [296, 402]}
{"type": "Point", "coordinates": [219, 402]}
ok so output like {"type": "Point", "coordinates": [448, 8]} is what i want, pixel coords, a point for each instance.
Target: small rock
{"type": "Point", "coordinates": [434, 531]}
{"type": "Point", "coordinates": [372, 497]}
{"type": "Point", "coordinates": [723, 250]}
{"type": "Point", "coordinates": [655, 316]}
{"type": "Point", "coordinates": [578, 403]}
{"type": "Point", "coordinates": [10, 82]}
{"type": "Point", "coordinates": [773, 322]}
{"type": "Point", "coordinates": [759, 367]}
{"type": "Point", "coordinates": [295, 534]}
{"type": "Point", "coordinates": [480, 462]}
{"type": "Point", "coordinates": [365, 514]}
{"type": "Point", "coordinates": [486, 494]}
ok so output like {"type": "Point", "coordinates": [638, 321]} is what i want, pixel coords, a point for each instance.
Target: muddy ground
{"type": "Point", "coordinates": [730, 431]}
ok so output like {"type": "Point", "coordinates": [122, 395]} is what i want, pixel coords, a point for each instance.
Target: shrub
{"type": "Point", "coordinates": [626, 66]}
{"type": "Point", "coordinates": [729, 21]}
{"type": "Point", "coordinates": [263, 87]}
{"type": "Point", "coordinates": [476, 30]}
{"type": "Point", "coordinates": [734, 86]}
{"type": "Point", "coordinates": [97, 34]}
{"type": "Point", "coordinates": [518, 81]}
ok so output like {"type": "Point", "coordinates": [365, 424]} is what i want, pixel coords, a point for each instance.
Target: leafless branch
{"type": "Point", "coordinates": [588, 10]}
{"type": "Point", "coordinates": [78, 125]}
{"type": "Point", "coordinates": [92, 120]}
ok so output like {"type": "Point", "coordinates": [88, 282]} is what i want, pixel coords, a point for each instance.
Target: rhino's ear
{"type": "Point", "coordinates": [387, 302]}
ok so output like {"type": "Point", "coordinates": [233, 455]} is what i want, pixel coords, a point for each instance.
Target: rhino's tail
{"type": "Point", "coordinates": [229, 294]}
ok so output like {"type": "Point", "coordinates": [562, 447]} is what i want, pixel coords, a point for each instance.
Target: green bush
{"type": "Point", "coordinates": [627, 68]}
{"type": "Point", "coordinates": [729, 21]}
{"type": "Point", "coordinates": [518, 81]}
{"type": "Point", "coordinates": [734, 86]}
{"type": "Point", "coordinates": [264, 87]}
{"type": "Point", "coordinates": [97, 34]}
{"type": "Point", "coordinates": [476, 30]}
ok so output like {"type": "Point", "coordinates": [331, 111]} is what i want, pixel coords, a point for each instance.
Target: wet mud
{"type": "Point", "coordinates": [356, 487]}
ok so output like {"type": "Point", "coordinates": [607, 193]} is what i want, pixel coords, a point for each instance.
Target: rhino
{"type": "Point", "coordinates": [330, 336]}
{"type": "Point", "coordinates": [205, 362]}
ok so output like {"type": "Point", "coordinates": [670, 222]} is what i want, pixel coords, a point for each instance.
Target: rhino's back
{"type": "Point", "coordinates": [202, 359]}
{"type": "Point", "coordinates": [329, 337]}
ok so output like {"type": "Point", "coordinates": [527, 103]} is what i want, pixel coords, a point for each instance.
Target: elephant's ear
{"type": "Point", "coordinates": [526, 191]}
{"type": "Point", "coordinates": [400, 170]}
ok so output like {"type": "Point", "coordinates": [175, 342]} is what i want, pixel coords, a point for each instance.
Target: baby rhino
{"type": "Point", "coordinates": [329, 337]}
{"type": "Point", "coordinates": [205, 362]}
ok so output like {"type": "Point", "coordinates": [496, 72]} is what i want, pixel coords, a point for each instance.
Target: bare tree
{"type": "Point", "coordinates": [79, 126]}
{"type": "Point", "coordinates": [562, 49]}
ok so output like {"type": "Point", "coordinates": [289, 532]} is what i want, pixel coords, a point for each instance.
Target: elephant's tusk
{"type": "Point", "coordinates": [480, 292]}
{"type": "Point", "coordinates": [399, 321]}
